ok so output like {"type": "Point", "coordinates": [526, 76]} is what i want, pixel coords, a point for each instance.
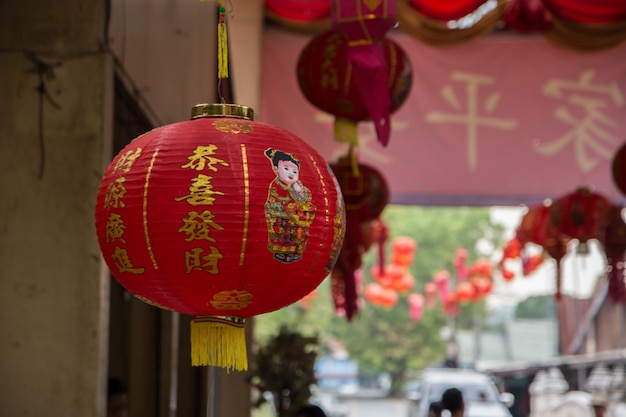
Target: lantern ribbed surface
{"type": "Point", "coordinates": [219, 216]}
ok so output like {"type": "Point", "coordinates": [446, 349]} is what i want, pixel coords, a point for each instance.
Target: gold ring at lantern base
{"type": "Point", "coordinates": [230, 320]}
{"type": "Point", "coordinates": [222, 110]}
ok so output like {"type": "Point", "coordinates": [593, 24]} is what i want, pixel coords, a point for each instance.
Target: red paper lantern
{"type": "Point", "coordinates": [416, 306]}
{"type": "Point", "coordinates": [383, 296]}
{"type": "Point", "coordinates": [460, 258]}
{"type": "Point", "coordinates": [325, 78]}
{"type": "Point", "coordinates": [220, 218]}
{"type": "Point", "coordinates": [442, 280]}
{"type": "Point", "coordinates": [402, 250]}
{"type": "Point", "coordinates": [618, 169]}
{"type": "Point", "coordinates": [363, 24]}
{"type": "Point", "coordinates": [534, 225]}
{"type": "Point", "coordinates": [366, 194]}
{"type": "Point", "coordinates": [482, 286]}
{"type": "Point", "coordinates": [464, 291]}
{"type": "Point", "coordinates": [299, 10]}
{"type": "Point", "coordinates": [580, 215]}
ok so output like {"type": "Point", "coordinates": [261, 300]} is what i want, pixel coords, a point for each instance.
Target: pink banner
{"type": "Point", "coordinates": [501, 120]}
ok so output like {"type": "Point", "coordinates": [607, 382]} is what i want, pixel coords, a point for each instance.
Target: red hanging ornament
{"type": "Point", "coordinates": [363, 24]}
{"type": "Point", "coordinates": [402, 251]}
{"type": "Point", "coordinates": [327, 79]}
{"type": "Point", "coordinates": [464, 291]}
{"type": "Point", "coordinates": [299, 10]}
{"type": "Point", "coordinates": [507, 274]}
{"type": "Point", "coordinates": [482, 286]}
{"type": "Point", "coordinates": [534, 225]}
{"type": "Point", "coordinates": [460, 258]}
{"type": "Point", "coordinates": [383, 296]}
{"type": "Point", "coordinates": [580, 215]}
{"type": "Point", "coordinates": [442, 280]}
{"type": "Point", "coordinates": [618, 169]}
{"type": "Point", "coordinates": [430, 289]}
{"type": "Point", "coordinates": [416, 306]}
{"type": "Point", "coordinates": [482, 268]}
{"type": "Point", "coordinates": [531, 263]}
{"type": "Point", "coordinates": [366, 194]}
{"type": "Point", "coordinates": [613, 239]}
{"type": "Point", "coordinates": [220, 218]}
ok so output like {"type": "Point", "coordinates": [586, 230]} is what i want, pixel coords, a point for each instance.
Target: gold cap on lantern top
{"type": "Point", "coordinates": [222, 110]}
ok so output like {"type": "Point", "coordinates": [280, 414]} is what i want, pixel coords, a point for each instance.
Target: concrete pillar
{"type": "Point", "coordinates": [55, 119]}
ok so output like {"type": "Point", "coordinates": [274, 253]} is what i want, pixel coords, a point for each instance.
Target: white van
{"type": "Point", "coordinates": [481, 396]}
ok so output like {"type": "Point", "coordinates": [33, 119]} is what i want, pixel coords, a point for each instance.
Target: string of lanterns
{"type": "Point", "coordinates": [395, 280]}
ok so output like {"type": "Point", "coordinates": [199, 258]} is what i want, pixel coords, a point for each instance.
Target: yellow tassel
{"type": "Point", "coordinates": [345, 131]}
{"type": "Point", "coordinates": [219, 341]}
{"type": "Point", "coordinates": [222, 44]}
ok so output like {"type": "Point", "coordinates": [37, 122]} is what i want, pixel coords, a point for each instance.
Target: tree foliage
{"type": "Point", "coordinates": [386, 340]}
{"type": "Point", "coordinates": [284, 367]}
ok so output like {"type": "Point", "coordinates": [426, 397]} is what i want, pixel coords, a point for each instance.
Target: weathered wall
{"type": "Point", "coordinates": [54, 288]}
{"type": "Point", "coordinates": [52, 303]}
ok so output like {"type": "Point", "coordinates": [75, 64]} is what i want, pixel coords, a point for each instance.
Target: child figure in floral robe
{"type": "Point", "coordinates": [288, 208]}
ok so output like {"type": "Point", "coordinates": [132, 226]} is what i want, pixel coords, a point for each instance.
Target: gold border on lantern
{"type": "Point", "coordinates": [246, 219]}
{"type": "Point", "coordinates": [145, 209]}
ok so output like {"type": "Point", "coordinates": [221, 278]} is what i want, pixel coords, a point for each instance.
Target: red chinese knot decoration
{"type": "Point", "coordinates": [220, 218]}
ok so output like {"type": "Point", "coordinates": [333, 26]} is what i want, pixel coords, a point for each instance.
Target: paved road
{"type": "Point", "coordinates": [375, 407]}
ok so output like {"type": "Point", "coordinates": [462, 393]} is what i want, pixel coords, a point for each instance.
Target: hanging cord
{"type": "Point", "coordinates": [222, 46]}
{"type": "Point", "coordinates": [45, 72]}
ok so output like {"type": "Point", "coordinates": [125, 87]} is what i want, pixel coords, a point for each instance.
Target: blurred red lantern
{"type": "Point", "coordinates": [507, 274]}
{"type": "Point", "coordinates": [451, 304]}
{"type": "Point", "coordinates": [299, 10]}
{"type": "Point", "coordinates": [403, 249]}
{"type": "Point", "coordinates": [482, 268]}
{"type": "Point", "coordinates": [383, 296]}
{"type": "Point", "coordinates": [416, 306]}
{"type": "Point", "coordinates": [327, 79]}
{"type": "Point", "coordinates": [460, 258]}
{"type": "Point", "coordinates": [363, 24]}
{"type": "Point", "coordinates": [388, 297]}
{"type": "Point", "coordinates": [366, 194]}
{"type": "Point", "coordinates": [613, 239]}
{"type": "Point", "coordinates": [430, 289]}
{"type": "Point", "coordinates": [538, 227]}
{"type": "Point", "coordinates": [531, 263]}
{"type": "Point", "coordinates": [482, 286]}
{"type": "Point", "coordinates": [220, 218]}
{"type": "Point", "coordinates": [404, 283]}
{"type": "Point", "coordinates": [618, 169]}
{"type": "Point", "coordinates": [580, 215]}
{"type": "Point", "coordinates": [512, 249]}
{"type": "Point", "coordinates": [442, 280]}
{"type": "Point", "coordinates": [382, 277]}
{"type": "Point", "coordinates": [464, 291]}
{"type": "Point", "coordinates": [534, 225]}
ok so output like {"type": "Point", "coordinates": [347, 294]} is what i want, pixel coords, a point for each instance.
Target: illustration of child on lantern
{"type": "Point", "coordinates": [289, 211]}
